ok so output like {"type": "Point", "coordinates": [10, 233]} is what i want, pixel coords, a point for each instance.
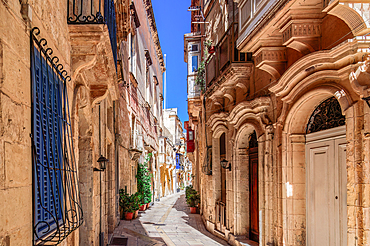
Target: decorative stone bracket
{"type": "Point", "coordinates": [272, 60]}
{"type": "Point", "coordinates": [302, 35]}
{"type": "Point", "coordinates": [92, 60]}
{"type": "Point", "coordinates": [360, 79]}
{"type": "Point", "coordinates": [237, 74]}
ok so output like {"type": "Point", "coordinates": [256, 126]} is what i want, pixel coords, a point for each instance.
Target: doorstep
{"type": "Point", "coordinates": [245, 242]}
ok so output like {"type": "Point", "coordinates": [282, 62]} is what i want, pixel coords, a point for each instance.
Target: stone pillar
{"type": "Point", "coordinates": [242, 192]}
{"type": "Point", "coordinates": [358, 186]}
{"type": "Point", "coordinates": [216, 175]}
{"type": "Point", "coordinates": [294, 190]}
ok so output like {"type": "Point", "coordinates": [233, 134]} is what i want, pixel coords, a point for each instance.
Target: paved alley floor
{"type": "Point", "coordinates": [167, 222]}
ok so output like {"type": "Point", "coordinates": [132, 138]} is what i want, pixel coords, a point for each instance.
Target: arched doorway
{"type": "Point", "coordinates": [221, 216]}
{"type": "Point", "coordinates": [248, 176]}
{"type": "Point", "coordinates": [253, 187]}
{"type": "Point", "coordinates": [326, 177]}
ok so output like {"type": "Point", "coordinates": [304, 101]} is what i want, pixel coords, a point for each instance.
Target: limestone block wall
{"type": "Point", "coordinates": [17, 18]}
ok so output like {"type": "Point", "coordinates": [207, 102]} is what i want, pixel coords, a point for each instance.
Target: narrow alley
{"type": "Point", "coordinates": [168, 222]}
{"type": "Point", "coordinates": [192, 122]}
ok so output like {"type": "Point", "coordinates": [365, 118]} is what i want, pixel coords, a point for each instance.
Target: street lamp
{"type": "Point", "coordinates": [224, 164]}
{"type": "Point", "coordinates": [102, 164]}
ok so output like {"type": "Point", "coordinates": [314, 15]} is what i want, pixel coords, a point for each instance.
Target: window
{"type": "Point", "coordinates": [194, 47]}
{"type": "Point", "coordinates": [56, 196]}
{"type": "Point", "coordinates": [191, 135]}
{"type": "Point", "coordinates": [245, 12]}
{"type": "Point", "coordinates": [194, 63]}
{"type": "Point", "coordinates": [132, 53]}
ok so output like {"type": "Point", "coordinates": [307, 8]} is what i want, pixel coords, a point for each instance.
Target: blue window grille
{"type": "Point", "coordinates": [194, 63]}
{"type": "Point", "coordinates": [56, 195]}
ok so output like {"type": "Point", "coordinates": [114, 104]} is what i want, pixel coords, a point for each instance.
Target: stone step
{"type": "Point", "coordinates": [135, 238]}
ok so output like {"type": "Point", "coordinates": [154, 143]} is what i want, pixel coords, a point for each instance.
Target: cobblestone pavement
{"type": "Point", "coordinates": [167, 222]}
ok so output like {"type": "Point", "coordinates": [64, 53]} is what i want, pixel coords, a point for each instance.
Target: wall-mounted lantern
{"type": "Point", "coordinates": [102, 164]}
{"type": "Point", "coordinates": [224, 164]}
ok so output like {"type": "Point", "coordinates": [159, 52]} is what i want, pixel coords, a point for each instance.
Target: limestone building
{"type": "Point", "coordinates": [173, 152]}
{"type": "Point", "coordinates": [281, 125]}
{"type": "Point", "coordinates": [141, 91]}
{"type": "Point", "coordinates": [72, 127]}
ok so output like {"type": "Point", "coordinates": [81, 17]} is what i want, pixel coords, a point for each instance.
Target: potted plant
{"type": "Point", "coordinates": [144, 178]}
{"type": "Point", "coordinates": [142, 206]}
{"type": "Point", "coordinates": [129, 204]}
{"type": "Point", "coordinates": [136, 200]}
{"type": "Point", "coordinates": [192, 199]}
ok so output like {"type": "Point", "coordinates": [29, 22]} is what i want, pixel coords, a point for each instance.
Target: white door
{"type": "Point", "coordinates": [326, 188]}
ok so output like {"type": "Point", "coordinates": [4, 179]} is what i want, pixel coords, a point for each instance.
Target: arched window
{"type": "Point", "coordinates": [326, 116]}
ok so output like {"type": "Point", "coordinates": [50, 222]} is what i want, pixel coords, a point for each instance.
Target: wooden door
{"type": "Point", "coordinates": [253, 194]}
{"type": "Point", "coordinates": [326, 189]}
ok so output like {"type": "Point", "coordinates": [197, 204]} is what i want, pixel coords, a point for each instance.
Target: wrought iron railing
{"type": "Point", "coordinates": [57, 205]}
{"type": "Point", "coordinates": [91, 12]}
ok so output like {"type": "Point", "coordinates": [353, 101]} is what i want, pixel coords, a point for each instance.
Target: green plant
{"type": "Point", "coordinates": [129, 203]}
{"type": "Point", "coordinates": [201, 72]}
{"type": "Point", "coordinates": [188, 189]}
{"type": "Point", "coordinates": [192, 196]}
{"type": "Point", "coordinates": [193, 199]}
{"type": "Point", "coordinates": [144, 178]}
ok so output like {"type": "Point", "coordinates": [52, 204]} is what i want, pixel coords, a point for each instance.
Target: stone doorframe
{"type": "Point", "coordinates": [245, 118]}
{"type": "Point", "coordinates": [293, 162]}
{"type": "Point", "coordinates": [302, 87]}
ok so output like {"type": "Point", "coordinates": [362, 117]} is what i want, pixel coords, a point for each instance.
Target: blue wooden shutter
{"type": "Point", "coordinates": [47, 116]}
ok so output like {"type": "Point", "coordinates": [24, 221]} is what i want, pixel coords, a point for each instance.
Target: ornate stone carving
{"type": "Point", "coordinates": [92, 60]}
{"type": "Point", "coordinates": [271, 60]}
{"type": "Point", "coordinates": [302, 35]}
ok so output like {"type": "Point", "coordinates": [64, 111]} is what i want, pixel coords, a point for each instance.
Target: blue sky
{"type": "Point", "coordinates": [173, 21]}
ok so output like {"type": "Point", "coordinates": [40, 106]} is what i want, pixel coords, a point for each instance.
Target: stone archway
{"type": "Point", "coordinates": [219, 177]}
{"type": "Point", "coordinates": [247, 203]}
{"type": "Point", "coordinates": [295, 175]}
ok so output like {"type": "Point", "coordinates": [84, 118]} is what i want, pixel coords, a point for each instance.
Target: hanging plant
{"type": "Point", "coordinates": [144, 178]}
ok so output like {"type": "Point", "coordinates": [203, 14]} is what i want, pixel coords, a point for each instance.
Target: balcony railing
{"type": "Point", "coordinates": [91, 12]}
{"type": "Point", "coordinates": [225, 54]}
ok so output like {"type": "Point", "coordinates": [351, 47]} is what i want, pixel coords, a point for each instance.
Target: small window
{"type": "Point", "coordinates": [191, 137]}
{"type": "Point", "coordinates": [194, 63]}
{"type": "Point", "coordinates": [194, 47]}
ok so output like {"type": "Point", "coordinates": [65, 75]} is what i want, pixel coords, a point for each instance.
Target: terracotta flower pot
{"type": "Point", "coordinates": [193, 210]}
{"type": "Point", "coordinates": [129, 215]}
{"type": "Point", "coordinates": [142, 207]}
{"type": "Point", "coordinates": [147, 205]}
{"type": "Point", "coordinates": [136, 214]}
{"type": "Point", "coordinates": [211, 49]}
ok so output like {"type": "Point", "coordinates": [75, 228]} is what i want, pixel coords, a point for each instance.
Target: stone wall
{"type": "Point", "coordinates": [276, 100]}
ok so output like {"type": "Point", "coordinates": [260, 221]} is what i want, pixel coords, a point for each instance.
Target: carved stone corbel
{"type": "Point", "coordinates": [272, 60]}
{"type": "Point", "coordinates": [302, 35]}
{"type": "Point", "coordinates": [360, 79]}
{"type": "Point", "coordinates": [92, 60]}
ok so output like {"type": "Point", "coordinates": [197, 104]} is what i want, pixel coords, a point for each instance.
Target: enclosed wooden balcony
{"type": "Point", "coordinates": [226, 63]}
